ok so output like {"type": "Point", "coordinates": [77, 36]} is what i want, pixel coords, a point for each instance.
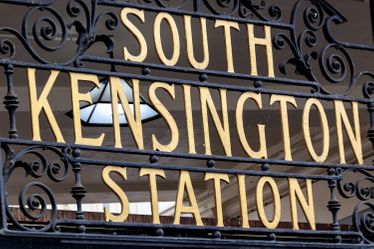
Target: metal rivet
{"type": "Point", "coordinates": [82, 229]}
{"type": "Point", "coordinates": [257, 84]}
{"type": "Point", "coordinates": [160, 232]}
{"type": "Point", "coordinates": [338, 239]}
{"type": "Point", "coordinates": [203, 77]}
{"type": "Point", "coordinates": [265, 167]}
{"type": "Point", "coordinates": [217, 234]}
{"type": "Point", "coordinates": [76, 152]}
{"type": "Point", "coordinates": [153, 159]}
{"type": "Point", "coordinates": [211, 163]}
{"type": "Point", "coordinates": [272, 236]}
{"type": "Point", "coordinates": [146, 71]}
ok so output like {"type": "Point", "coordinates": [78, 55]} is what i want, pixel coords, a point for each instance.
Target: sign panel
{"type": "Point", "coordinates": [163, 94]}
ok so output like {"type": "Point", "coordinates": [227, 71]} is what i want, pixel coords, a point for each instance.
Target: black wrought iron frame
{"type": "Point", "coordinates": [335, 62]}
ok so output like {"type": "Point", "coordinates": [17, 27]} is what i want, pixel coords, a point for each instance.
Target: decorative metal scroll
{"type": "Point", "coordinates": [45, 165]}
{"type": "Point", "coordinates": [363, 212]}
{"type": "Point", "coordinates": [32, 203]}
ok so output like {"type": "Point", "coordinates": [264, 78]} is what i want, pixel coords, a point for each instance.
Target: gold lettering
{"type": "Point", "coordinates": [175, 36]}
{"type": "Point", "coordinates": [189, 119]}
{"type": "Point", "coordinates": [119, 193]}
{"type": "Point", "coordinates": [166, 115]}
{"type": "Point", "coordinates": [186, 184]}
{"type": "Point", "coordinates": [76, 98]}
{"type": "Point", "coordinates": [37, 105]}
{"type": "Point", "coordinates": [283, 100]}
{"type": "Point", "coordinates": [260, 202]}
{"type": "Point", "coordinates": [135, 123]}
{"type": "Point", "coordinates": [355, 140]}
{"type": "Point", "coordinates": [267, 42]}
{"type": "Point", "coordinates": [223, 130]}
{"type": "Point", "coordinates": [227, 25]}
{"type": "Point", "coordinates": [136, 32]}
{"type": "Point", "coordinates": [325, 130]}
{"type": "Point", "coordinates": [189, 39]}
{"type": "Point", "coordinates": [262, 152]}
{"type": "Point", "coordinates": [243, 200]}
{"type": "Point", "coordinates": [152, 174]}
{"type": "Point", "coordinates": [308, 209]}
{"type": "Point", "coordinates": [217, 178]}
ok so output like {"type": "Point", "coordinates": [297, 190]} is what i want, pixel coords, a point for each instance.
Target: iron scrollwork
{"type": "Point", "coordinates": [34, 196]}
{"type": "Point", "coordinates": [357, 189]}
{"type": "Point", "coordinates": [335, 61]}
{"type": "Point", "coordinates": [249, 9]}
{"type": "Point", "coordinates": [52, 27]}
{"type": "Point", "coordinates": [363, 220]}
{"type": "Point", "coordinates": [363, 213]}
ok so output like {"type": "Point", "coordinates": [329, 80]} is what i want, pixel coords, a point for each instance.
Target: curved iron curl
{"type": "Point", "coordinates": [46, 32]}
{"type": "Point", "coordinates": [307, 37]}
{"type": "Point", "coordinates": [111, 23]}
{"type": "Point", "coordinates": [296, 42]}
{"type": "Point", "coordinates": [50, 28]}
{"type": "Point", "coordinates": [352, 189]}
{"type": "Point", "coordinates": [45, 29]}
{"type": "Point", "coordinates": [34, 207]}
{"type": "Point", "coordinates": [368, 87]}
{"type": "Point", "coordinates": [363, 220]}
{"type": "Point", "coordinates": [300, 60]}
{"type": "Point", "coordinates": [56, 171]}
{"type": "Point", "coordinates": [249, 8]}
{"type": "Point", "coordinates": [75, 7]}
{"type": "Point", "coordinates": [86, 31]}
{"type": "Point", "coordinates": [87, 35]}
{"type": "Point", "coordinates": [275, 12]}
{"type": "Point", "coordinates": [224, 5]}
{"type": "Point", "coordinates": [243, 8]}
{"type": "Point", "coordinates": [111, 20]}
{"type": "Point", "coordinates": [7, 48]}
{"type": "Point", "coordinates": [33, 204]}
{"type": "Point", "coordinates": [336, 67]}
{"type": "Point", "coordinates": [167, 4]}
{"type": "Point", "coordinates": [314, 17]}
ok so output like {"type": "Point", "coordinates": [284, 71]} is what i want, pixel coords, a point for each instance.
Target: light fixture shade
{"type": "Point", "coordinates": [100, 111]}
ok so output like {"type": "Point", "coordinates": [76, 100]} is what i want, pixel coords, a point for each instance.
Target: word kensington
{"type": "Point", "coordinates": [207, 106]}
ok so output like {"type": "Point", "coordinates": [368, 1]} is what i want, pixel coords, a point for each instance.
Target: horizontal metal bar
{"type": "Point", "coordinates": [254, 230]}
{"type": "Point", "coordinates": [200, 71]}
{"type": "Point", "coordinates": [229, 87]}
{"type": "Point", "coordinates": [203, 170]}
{"type": "Point", "coordinates": [190, 156]}
{"type": "Point", "coordinates": [116, 3]}
{"type": "Point", "coordinates": [182, 242]}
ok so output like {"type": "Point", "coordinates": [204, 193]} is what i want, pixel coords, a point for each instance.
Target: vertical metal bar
{"type": "Point", "coordinates": [11, 101]}
{"type": "Point", "coordinates": [78, 191]}
{"type": "Point", "coordinates": [2, 194]}
{"type": "Point", "coordinates": [334, 205]}
{"type": "Point", "coordinates": [372, 17]}
{"type": "Point", "coordinates": [196, 6]}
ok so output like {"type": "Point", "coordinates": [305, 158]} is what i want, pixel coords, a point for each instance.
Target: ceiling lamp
{"type": "Point", "coordinates": [100, 111]}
